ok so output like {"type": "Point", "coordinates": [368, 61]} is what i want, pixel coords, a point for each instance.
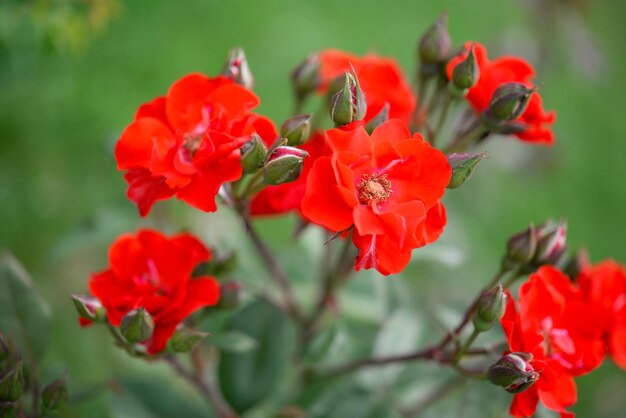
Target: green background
{"type": "Point", "coordinates": [62, 201]}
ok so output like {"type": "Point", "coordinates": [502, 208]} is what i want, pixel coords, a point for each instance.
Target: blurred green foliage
{"type": "Point", "coordinates": [62, 201]}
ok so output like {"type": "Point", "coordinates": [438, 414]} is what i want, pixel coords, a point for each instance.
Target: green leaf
{"type": "Point", "coordinates": [247, 378]}
{"type": "Point", "coordinates": [24, 314]}
{"type": "Point", "coordinates": [153, 398]}
{"type": "Point", "coordinates": [233, 341]}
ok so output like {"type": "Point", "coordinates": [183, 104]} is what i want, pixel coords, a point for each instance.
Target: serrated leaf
{"type": "Point", "coordinates": [248, 378]}
{"type": "Point", "coordinates": [24, 314]}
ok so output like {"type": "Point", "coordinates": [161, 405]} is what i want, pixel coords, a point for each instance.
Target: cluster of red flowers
{"type": "Point", "coordinates": [151, 271]}
{"type": "Point", "coordinates": [568, 328]}
{"type": "Point", "coordinates": [534, 122]}
{"type": "Point", "coordinates": [386, 187]}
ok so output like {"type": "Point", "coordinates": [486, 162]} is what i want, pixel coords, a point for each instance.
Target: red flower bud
{"type": "Point", "coordinates": [465, 75]}
{"type": "Point", "coordinates": [513, 372]}
{"type": "Point", "coordinates": [348, 104]}
{"type": "Point", "coordinates": [230, 295]}
{"type": "Point", "coordinates": [551, 242]}
{"type": "Point", "coordinates": [463, 166]}
{"type": "Point", "coordinates": [508, 102]}
{"type": "Point", "coordinates": [284, 165]}
{"type": "Point", "coordinates": [305, 77]}
{"type": "Point", "coordinates": [137, 326]}
{"type": "Point", "coordinates": [54, 395]}
{"type": "Point", "coordinates": [434, 45]}
{"type": "Point", "coordinates": [253, 154]}
{"type": "Point", "coordinates": [184, 339]}
{"type": "Point", "coordinates": [89, 308]}
{"type": "Point", "coordinates": [237, 69]}
{"type": "Point", "coordinates": [296, 129]}
{"type": "Point", "coordinates": [521, 248]}
{"type": "Point", "coordinates": [490, 308]}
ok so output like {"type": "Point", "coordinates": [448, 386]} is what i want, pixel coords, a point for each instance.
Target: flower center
{"type": "Point", "coordinates": [374, 187]}
{"type": "Point", "coordinates": [191, 143]}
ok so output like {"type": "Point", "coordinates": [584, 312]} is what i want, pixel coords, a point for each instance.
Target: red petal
{"type": "Point", "coordinates": [135, 146]}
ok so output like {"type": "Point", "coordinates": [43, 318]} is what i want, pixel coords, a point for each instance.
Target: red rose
{"type": "Point", "coordinates": [381, 79]}
{"type": "Point", "coordinates": [386, 185]}
{"type": "Point", "coordinates": [187, 143]}
{"type": "Point", "coordinates": [604, 288]}
{"type": "Point", "coordinates": [557, 327]}
{"type": "Point", "coordinates": [153, 271]}
{"type": "Point", "coordinates": [535, 120]}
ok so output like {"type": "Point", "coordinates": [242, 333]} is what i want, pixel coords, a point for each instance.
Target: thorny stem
{"type": "Point", "coordinates": [331, 281]}
{"type": "Point", "coordinates": [207, 388]}
{"type": "Point", "coordinates": [275, 270]}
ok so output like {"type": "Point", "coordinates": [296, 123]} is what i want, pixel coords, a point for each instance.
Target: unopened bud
{"type": "Point", "coordinates": [284, 165]}
{"type": "Point", "coordinates": [89, 307]}
{"type": "Point", "coordinates": [434, 45]}
{"type": "Point", "coordinates": [237, 69]}
{"type": "Point", "coordinates": [551, 242]}
{"type": "Point", "coordinates": [8, 409]}
{"type": "Point", "coordinates": [513, 372]}
{"type": "Point", "coordinates": [218, 266]}
{"type": "Point", "coordinates": [137, 326]}
{"type": "Point", "coordinates": [12, 383]}
{"type": "Point", "coordinates": [577, 263]}
{"type": "Point", "coordinates": [6, 348]}
{"type": "Point", "coordinates": [296, 129]}
{"type": "Point", "coordinates": [465, 75]}
{"type": "Point", "coordinates": [521, 248]}
{"type": "Point", "coordinates": [379, 119]}
{"type": "Point", "coordinates": [253, 154]}
{"type": "Point", "coordinates": [463, 166]}
{"type": "Point", "coordinates": [508, 102]}
{"type": "Point", "coordinates": [230, 295]}
{"type": "Point", "coordinates": [490, 308]}
{"type": "Point", "coordinates": [54, 395]}
{"type": "Point", "coordinates": [305, 77]}
{"type": "Point", "coordinates": [348, 104]}
{"type": "Point", "coordinates": [184, 339]}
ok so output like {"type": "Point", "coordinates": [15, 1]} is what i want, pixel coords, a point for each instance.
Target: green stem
{"type": "Point", "coordinates": [461, 143]}
{"type": "Point", "coordinates": [465, 347]}
{"type": "Point", "coordinates": [442, 119]}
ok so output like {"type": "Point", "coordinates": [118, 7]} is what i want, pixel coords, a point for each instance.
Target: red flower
{"type": "Point", "coordinates": [386, 185]}
{"type": "Point", "coordinates": [558, 329]}
{"type": "Point", "coordinates": [535, 120]}
{"type": "Point", "coordinates": [604, 287]}
{"type": "Point", "coordinates": [287, 197]}
{"type": "Point", "coordinates": [381, 79]}
{"type": "Point", "coordinates": [152, 271]}
{"type": "Point", "coordinates": [187, 143]}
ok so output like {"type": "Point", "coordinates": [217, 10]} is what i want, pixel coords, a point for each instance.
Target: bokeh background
{"type": "Point", "coordinates": [73, 72]}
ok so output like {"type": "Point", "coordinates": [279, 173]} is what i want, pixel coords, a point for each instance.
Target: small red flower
{"type": "Point", "coordinates": [186, 143]}
{"type": "Point", "coordinates": [387, 185]}
{"type": "Point", "coordinates": [535, 120]}
{"type": "Point", "coordinates": [555, 326]}
{"type": "Point", "coordinates": [153, 271]}
{"type": "Point", "coordinates": [604, 288]}
{"type": "Point", "coordinates": [380, 78]}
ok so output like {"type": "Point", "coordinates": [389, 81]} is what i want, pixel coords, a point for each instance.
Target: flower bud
{"type": "Point", "coordinates": [521, 248]}
{"type": "Point", "coordinates": [237, 69]}
{"type": "Point", "coordinates": [465, 75]}
{"type": "Point", "coordinates": [551, 242]}
{"type": "Point", "coordinates": [230, 295]}
{"type": "Point", "coordinates": [54, 395]}
{"type": "Point", "coordinates": [490, 308]}
{"type": "Point", "coordinates": [296, 129]}
{"type": "Point", "coordinates": [184, 339]}
{"type": "Point", "coordinates": [137, 326]}
{"type": "Point", "coordinates": [284, 165]}
{"type": "Point", "coordinates": [513, 372]}
{"type": "Point", "coordinates": [253, 154]}
{"type": "Point", "coordinates": [89, 307]}
{"type": "Point", "coordinates": [305, 77]}
{"type": "Point", "coordinates": [434, 45]}
{"type": "Point", "coordinates": [12, 383]}
{"type": "Point", "coordinates": [8, 409]}
{"type": "Point", "coordinates": [508, 102]}
{"type": "Point", "coordinates": [348, 104]}
{"type": "Point", "coordinates": [463, 166]}
{"type": "Point", "coordinates": [577, 263]}
{"type": "Point", "coordinates": [379, 119]}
